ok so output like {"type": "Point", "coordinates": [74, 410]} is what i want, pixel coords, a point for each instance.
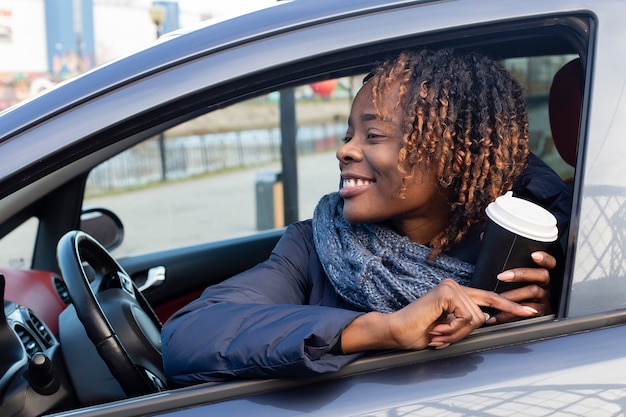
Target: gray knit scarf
{"type": "Point", "coordinates": [373, 267]}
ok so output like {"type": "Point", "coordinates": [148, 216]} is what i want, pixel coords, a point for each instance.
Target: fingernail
{"type": "Point", "coordinates": [487, 316]}
{"type": "Point", "coordinates": [436, 344]}
{"type": "Point", "coordinates": [444, 345]}
{"type": "Point", "coordinates": [492, 320]}
{"type": "Point", "coordinates": [537, 256]}
{"type": "Point", "coordinates": [506, 276]}
{"type": "Point", "coordinates": [532, 310]}
{"type": "Point", "coordinates": [435, 333]}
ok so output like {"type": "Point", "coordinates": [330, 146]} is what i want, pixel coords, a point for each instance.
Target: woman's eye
{"type": "Point", "coordinates": [347, 139]}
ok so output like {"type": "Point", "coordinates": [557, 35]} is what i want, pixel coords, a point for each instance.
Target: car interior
{"type": "Point", "coordinates": [67, 298]}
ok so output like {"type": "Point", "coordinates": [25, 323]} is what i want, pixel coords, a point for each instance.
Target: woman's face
{"type": "Point", "coordinates": [372, 180]}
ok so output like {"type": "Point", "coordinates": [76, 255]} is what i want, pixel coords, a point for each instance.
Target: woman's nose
{"type": "Point", "coordinates": [349, 151]}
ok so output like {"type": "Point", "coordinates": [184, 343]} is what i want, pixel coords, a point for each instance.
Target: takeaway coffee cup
{"type": "Point", "coordinates": [515, 228]}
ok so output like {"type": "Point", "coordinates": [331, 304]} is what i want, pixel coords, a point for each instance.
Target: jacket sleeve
{"type": "Point", "coordinates": [257, 324]}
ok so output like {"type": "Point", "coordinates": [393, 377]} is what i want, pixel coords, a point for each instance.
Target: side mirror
{"type": "Point", "coordinates": [103, 225]}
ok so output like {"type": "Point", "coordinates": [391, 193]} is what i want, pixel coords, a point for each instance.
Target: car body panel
{"type": "Point", "coordinates": [598, 252]}
{"type": "Point", "coordinates": [520, 379]}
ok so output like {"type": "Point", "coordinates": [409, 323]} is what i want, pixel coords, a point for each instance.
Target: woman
{"type": "Point", "coordinates": [385, 263]}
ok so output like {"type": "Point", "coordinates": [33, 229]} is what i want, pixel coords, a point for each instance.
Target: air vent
{"type": "Point", "coordinates": [28, 340]}
{"type": "Point", "coordinates": [42, 330]}
{"type": "Point", "coordinates": [62, 290]}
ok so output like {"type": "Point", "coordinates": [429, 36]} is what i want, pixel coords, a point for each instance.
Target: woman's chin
{"type": "Point", "coordinates": [358, 217]}
{"type": "Point", "coordinates": [352, 217]}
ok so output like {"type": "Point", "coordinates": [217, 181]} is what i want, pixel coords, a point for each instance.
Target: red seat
{"type": "Point", "coordinates": [565, 107]}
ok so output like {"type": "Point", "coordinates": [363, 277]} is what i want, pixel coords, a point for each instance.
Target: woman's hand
{"type": "Point", "coordinates": [536, 294]}
{"type": "Point", "coordinates": [444, 315]}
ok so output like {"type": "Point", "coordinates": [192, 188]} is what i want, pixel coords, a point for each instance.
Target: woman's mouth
{"type": "Point", "coordinates": [352, 186]}
{"type": "Point", "coordinates": [355, 182]}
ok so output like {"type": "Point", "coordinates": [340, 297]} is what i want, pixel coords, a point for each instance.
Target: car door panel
{"type": "Point", "coordinates": [189, 270]}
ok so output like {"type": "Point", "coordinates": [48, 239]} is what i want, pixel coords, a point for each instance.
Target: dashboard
{"type": "Point", "coordinates": [32, 374]}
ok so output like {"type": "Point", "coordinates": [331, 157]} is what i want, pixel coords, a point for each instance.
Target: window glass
{"type": "Point", "coordinates": [535, 74]}
{"type": "Point", "coordinates": [16, 248]}
{"type": "Point", "coordinates": [220, 175]}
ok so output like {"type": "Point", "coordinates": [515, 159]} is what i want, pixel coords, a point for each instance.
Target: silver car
{"type": "Point", "coordinates": [187, 159]}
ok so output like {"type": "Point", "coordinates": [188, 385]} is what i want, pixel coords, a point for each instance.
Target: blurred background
{"type": "Point", "coordinates": [43, 42]}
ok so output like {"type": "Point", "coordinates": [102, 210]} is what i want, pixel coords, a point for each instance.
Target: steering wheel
{"type": "Point", "coordinates": [117, 318]}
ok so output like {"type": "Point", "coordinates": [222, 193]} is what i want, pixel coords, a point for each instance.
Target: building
{"type": "Point", "coordinates": [43, 42]}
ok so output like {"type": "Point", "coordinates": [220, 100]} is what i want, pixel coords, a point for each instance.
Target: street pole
{"type": "Point", "coordinates": [289, 154]}
{"type": "Point", "coordinates": [157, 14]}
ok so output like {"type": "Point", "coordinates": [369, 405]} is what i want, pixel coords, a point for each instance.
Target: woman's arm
{"type": "Point", "coordinates": [444, 315]}
{"type": "Point", "coordinates": [258, 323]}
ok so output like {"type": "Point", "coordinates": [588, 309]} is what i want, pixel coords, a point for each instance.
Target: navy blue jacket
{"type": "Point", "coordinates": [283, 317]}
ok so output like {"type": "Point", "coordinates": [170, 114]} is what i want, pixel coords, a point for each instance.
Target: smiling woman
{"type": "Point", "coordinates": [374, 188]}
{"type": "Point", "coordinates": [430, 138]}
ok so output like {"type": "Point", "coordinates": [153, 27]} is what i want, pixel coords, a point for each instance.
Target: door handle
{"type": "Point", "coordinates": [156, 277]}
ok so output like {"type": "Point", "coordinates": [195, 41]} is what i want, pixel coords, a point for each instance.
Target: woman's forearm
{"type": "Point", "coordinates": [369, 331]}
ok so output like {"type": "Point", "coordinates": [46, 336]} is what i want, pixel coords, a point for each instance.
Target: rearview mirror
{"type": "Point", "coordinates": [103, 225]}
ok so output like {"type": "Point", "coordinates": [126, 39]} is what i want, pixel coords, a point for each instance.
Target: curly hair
{"type": "Point", "coordinates": [464, 113]}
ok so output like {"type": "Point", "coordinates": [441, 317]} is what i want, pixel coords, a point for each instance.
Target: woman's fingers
{"type": "Point", "coordinates": [504, 317]}
{"type": "Point", "coordinates": [539, 276]}
{"type": "Point", "coordinates": [499, 302]}
{"type": "Point", "coordinates": [448, 313]}
{"type": "Point", "coordinates": [544, 259]}
{"type": "Point", "coordinates": [536, 294]}
{"type": "Point", "coordinates": [529, 293]}
{"type": "Point", "coordinates": [461, 316]}
{"type": "Point", "coordinates": [443, 315]}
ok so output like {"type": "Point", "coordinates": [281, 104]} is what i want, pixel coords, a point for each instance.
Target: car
{"type": "Point", "coordinates": [166, 171]}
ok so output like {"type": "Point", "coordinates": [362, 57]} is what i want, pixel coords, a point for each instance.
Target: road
{"type": "Point", "coordinates": [208, 208]}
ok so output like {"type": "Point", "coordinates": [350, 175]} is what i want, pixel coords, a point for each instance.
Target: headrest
{"type": "Point", "coordinates": [564, 107]}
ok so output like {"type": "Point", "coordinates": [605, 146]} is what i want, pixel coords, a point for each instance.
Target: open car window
{"type": "Point", "coordinates": [220, 175]}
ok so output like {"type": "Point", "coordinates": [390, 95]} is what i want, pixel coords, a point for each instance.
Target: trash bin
{"type": "Point", "coordinates": [269, 200]}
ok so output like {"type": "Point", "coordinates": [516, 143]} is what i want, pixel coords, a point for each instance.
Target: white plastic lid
{"type": "Point", "coordinates": [523, 217]}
